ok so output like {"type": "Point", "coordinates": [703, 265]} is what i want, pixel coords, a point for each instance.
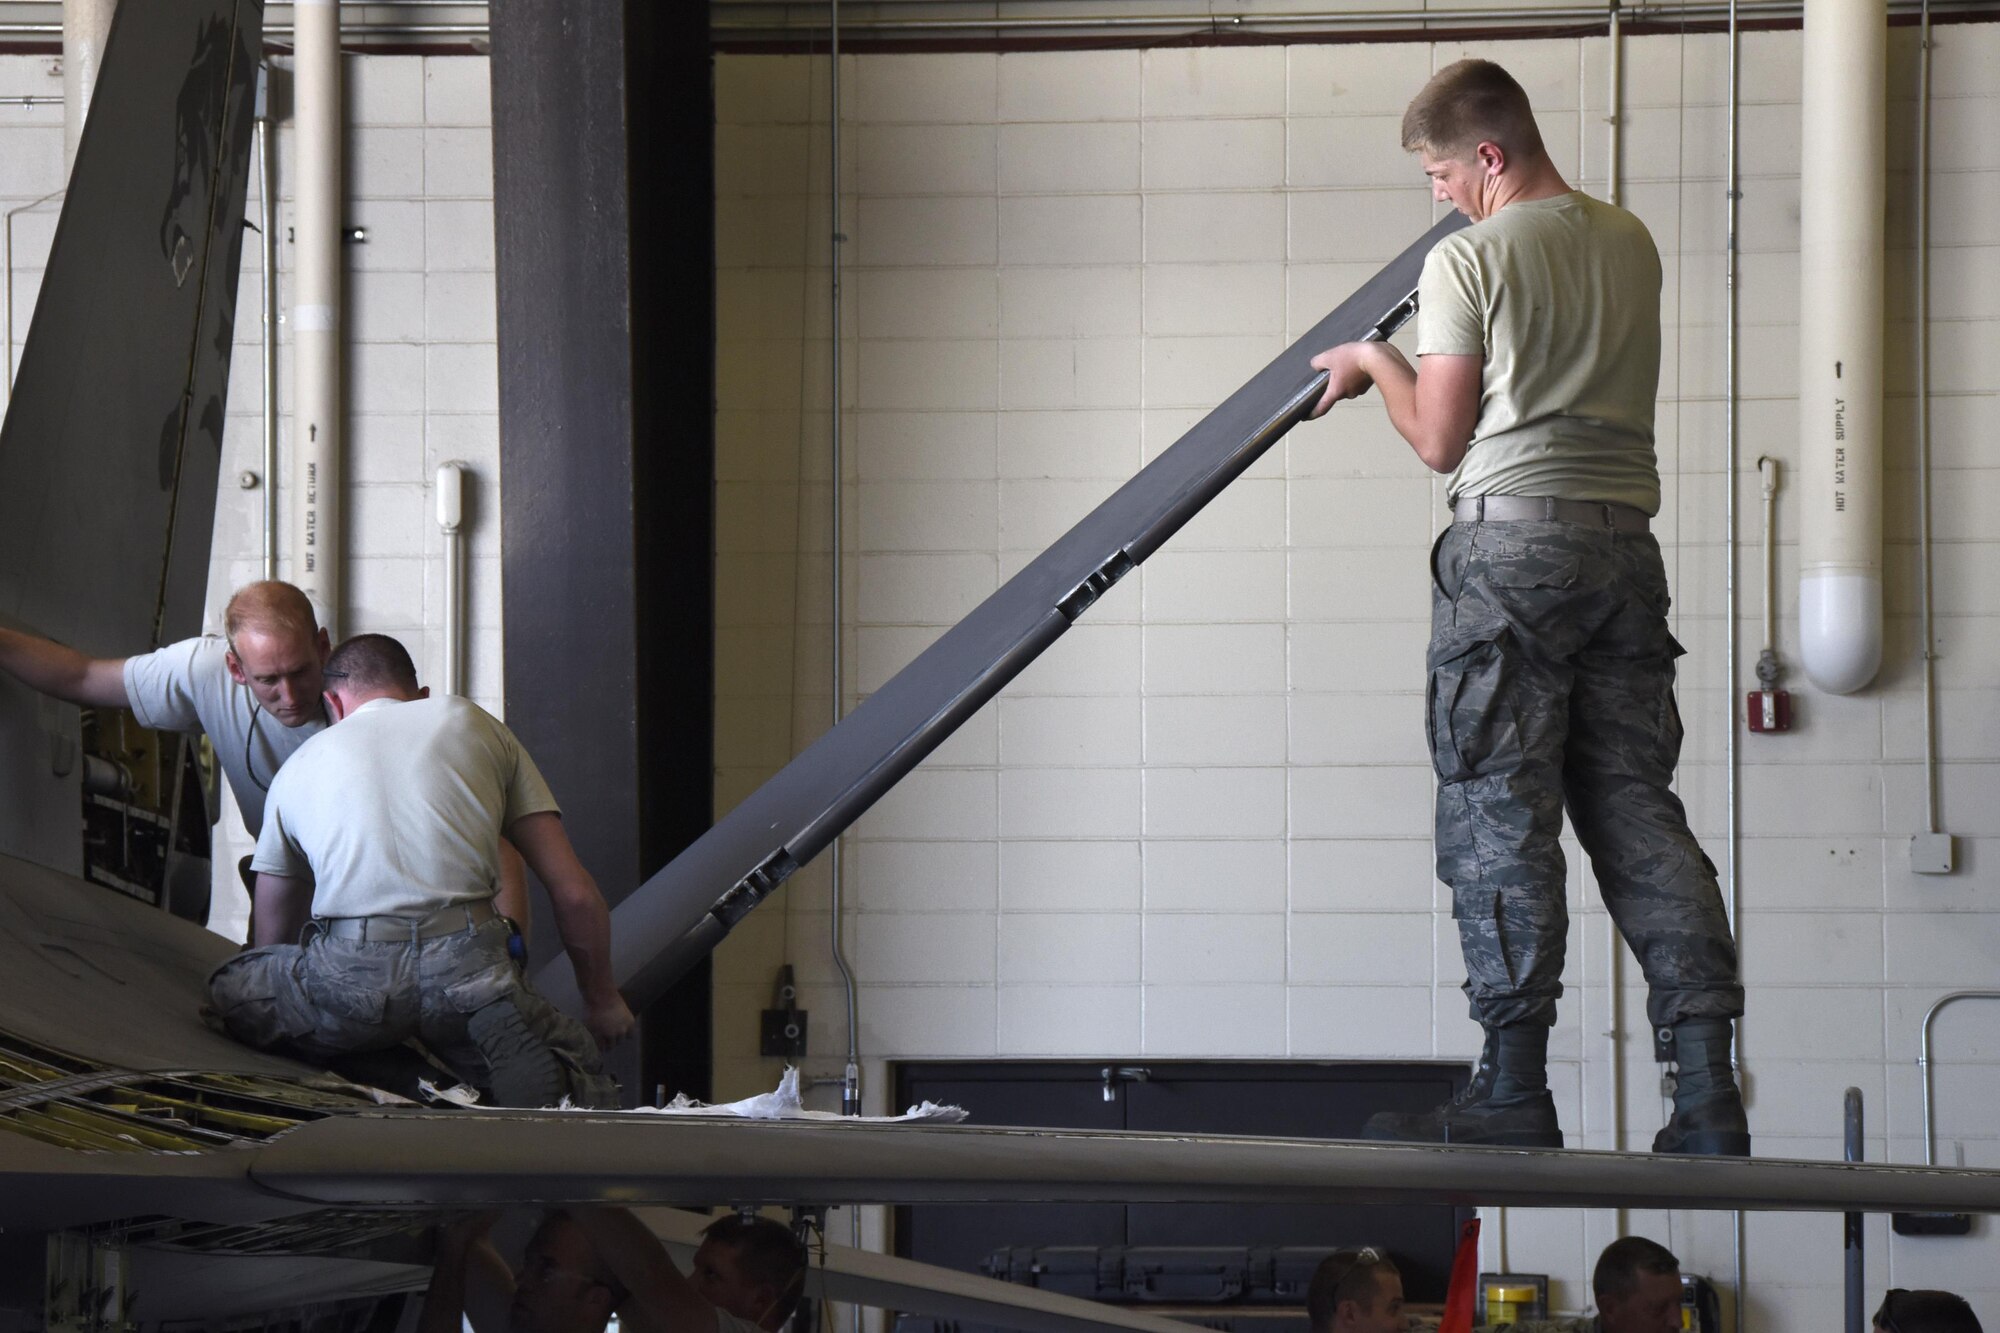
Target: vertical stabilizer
{"type": "Point", "coordinates": [113, 435]}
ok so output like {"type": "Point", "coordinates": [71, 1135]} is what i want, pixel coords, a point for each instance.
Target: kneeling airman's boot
{"type": "Point", "coordinates": [1708, 1110]}
{"type": "Point", "coordinates": [1506, 1104]}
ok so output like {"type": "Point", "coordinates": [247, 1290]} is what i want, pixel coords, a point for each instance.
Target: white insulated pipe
{"type": "Point", "coordinates": [266, 151]}
{"type": "Point", "coordinates": [1841, 202]}
{"type": "Point", "coordinates": [86, 28]}
{"type": "Point", "coordinates": [316, 433]}
{"type": "Point", "coordinates": [451, 518]}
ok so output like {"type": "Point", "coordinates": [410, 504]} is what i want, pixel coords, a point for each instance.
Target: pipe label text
{"type": "Point", "coordinates": [1839, 456]}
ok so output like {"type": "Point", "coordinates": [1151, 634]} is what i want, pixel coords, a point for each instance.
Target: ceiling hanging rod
{"type": "Point", "coordinates": [1248, 20]}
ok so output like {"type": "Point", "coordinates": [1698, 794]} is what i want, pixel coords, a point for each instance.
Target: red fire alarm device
{"type": "Point", "coordinates": [1770, 710]}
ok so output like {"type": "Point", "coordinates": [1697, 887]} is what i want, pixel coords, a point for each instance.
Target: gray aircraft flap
{"type": "Point", "coordinates": [679, 914]}
{"type": "Point", "coordinates": [113, 437]}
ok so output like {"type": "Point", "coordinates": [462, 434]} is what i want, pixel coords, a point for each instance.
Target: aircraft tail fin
{"type": "Point", "coordinates": [113, 436]}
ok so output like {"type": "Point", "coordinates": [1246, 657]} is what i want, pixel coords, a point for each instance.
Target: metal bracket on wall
{"type": "Point", "coordinates": [1116, 1074]}
{"type": "Point", "coordinates": [783, 1029]}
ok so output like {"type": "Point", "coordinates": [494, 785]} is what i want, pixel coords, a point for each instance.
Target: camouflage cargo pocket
{"type": "Point", "coordinates": [350, 988]}
{"type": "Point", "coordinates": [257, 999]}
{"type": "Point", "coordinates": [482, 988]}
{"type": "Point", "coordinates": [1469, 720]}
{"type": "Point", "coordinates": [1495, 955]}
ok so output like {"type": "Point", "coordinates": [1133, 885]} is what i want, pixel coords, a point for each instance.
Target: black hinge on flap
{"type": "Point", "coordinates": [1085, 594]}
{"type": "Point", "coordinates": [755, 887]}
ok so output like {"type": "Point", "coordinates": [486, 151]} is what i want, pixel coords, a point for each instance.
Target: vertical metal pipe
{"type": "Point", "coordinates": [86, 27]}
{"type": "Point", "coordinates": [1767, 471]}
{"type": "Point", "coordinates": [850, 1083]}
{"type": "Point", "coordinates": [850, 1087]}
{"type": "Point", "coordinates": [454, 613]}
{"type": "Point", "coordinates": [7, 282]}
{"type": "Point", "coordinates": [1924, 1060]}
{"type": "Point", "coordinates": [1923, 331]}
{"type": "Point", "coordinates": [1852, 1221]}
{"type": "Point", "coordinates": [1613, 116]}
{"type": "Point", "coordinates": [7, 296]}
{"type": "Point", "coordinates": [316, 332]}
{"type": "Point", "coordinates": [1614, 943]}
{"type": "Point", "coordinates": [1731, 196]}
{"type": "Point", "coordinates": [1732, 758]}
{"type": "Point", "coordinates": [451, 516]}
{"type": "Point", "coordinates": [267, 237]}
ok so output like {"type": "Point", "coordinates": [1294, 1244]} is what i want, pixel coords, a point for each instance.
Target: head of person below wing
{"type": "Point", "coordinates": [584, 1264]}
{"type": "Point", "coordinates": [563, 1285]}
{"type": "Point", "coordinates": [1356, 1291]}
{"type": "Point", "coordinates": [1637, 1283]}
{"type": "Point", "coordinates": [751, 1267]}
{"type": "Point", "coordinates": [1925, 1311]}
{"type": "Point", "coordinates": [277, 649]}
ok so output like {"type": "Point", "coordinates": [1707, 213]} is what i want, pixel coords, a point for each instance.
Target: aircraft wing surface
{"type": "Point", "coordinates": [679, 915]}
{"type": "Point", "coordinates": [402, 1159]}
{"type": "Point", "coordinates": [374, 1160]}
{"type": "Point", "coordinates": [46, 1188]}
{"type": "Point", "coordinates": [86, 970]}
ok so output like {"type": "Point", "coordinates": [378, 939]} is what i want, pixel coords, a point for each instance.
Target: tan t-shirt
{"type": "Point", "coordinates": [1561, 299]}
{"type": "Point", "coordinates": [186, 686]}
{"type": "Point", "coordinates": [398, 809]}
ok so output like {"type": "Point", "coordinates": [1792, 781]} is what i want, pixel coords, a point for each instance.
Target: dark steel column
{"type": "Point", "coordinates": [603, 202]}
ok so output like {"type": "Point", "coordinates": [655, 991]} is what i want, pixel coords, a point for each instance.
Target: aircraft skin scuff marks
{"type": "Point", "coordinates": [113, 438]}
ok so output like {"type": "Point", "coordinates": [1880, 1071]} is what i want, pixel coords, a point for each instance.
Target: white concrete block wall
{"type": "Point", "coordinates": [420, 359]}
{"type": "Point", "coordinates": [420, 367]}
{"type": "Point", "coordinates": [1200, 825]}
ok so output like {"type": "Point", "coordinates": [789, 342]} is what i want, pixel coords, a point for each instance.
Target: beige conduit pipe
{"type": "Point", "coordinates": [316, 433]}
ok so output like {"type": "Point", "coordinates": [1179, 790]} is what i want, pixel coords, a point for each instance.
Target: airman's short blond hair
{"type": "Point", "coordinates": [1469, 103]}
{"type": "Point", "coordinates": [270, 607]}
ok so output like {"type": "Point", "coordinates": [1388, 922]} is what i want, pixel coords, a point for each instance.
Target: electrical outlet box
{"type": "Point", "coordinates": [1932, 853]}
{"type": "Point", "coordinates": [1769, 710]}
{"type": "Point", "coordinates": [782, 1033]}
{"type": "Point", "coordinates": [1931, 1224]}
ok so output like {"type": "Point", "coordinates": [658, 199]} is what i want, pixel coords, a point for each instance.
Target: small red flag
{"type": "Point", "coordinates": [1461, 1299]}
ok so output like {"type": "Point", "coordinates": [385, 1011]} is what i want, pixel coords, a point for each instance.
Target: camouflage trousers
{"type": "Point", "coordinates": [1552, 688]}
{"type": "Point", "coordinates": [328, 997]}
